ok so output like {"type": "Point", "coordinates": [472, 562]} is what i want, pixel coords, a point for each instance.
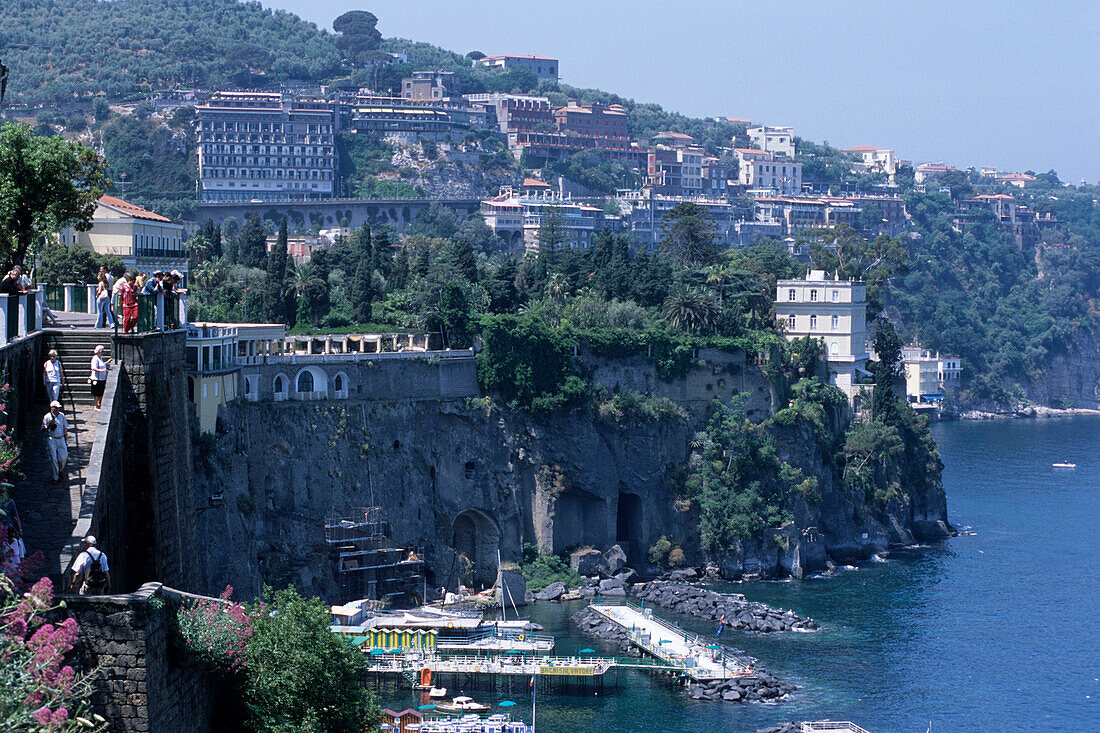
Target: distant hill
{"type": "Point", "coordinates": [65, 50]}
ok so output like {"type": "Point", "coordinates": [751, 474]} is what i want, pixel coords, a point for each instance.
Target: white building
{"type": "Point", "coordinates": [874, 160]}
{"type": "Point", "coordinates": [145, 241]}
{"type": "Point", "coordinates": [521, 221]}
{"type": "Point", "coordinates": [775, 140]}
{"type": "Point", "coordinates": [771, 176]}
{"type": "Point", "coordinates": [834, 312]}
{"type": "Point", "coordinates": [928, 375]}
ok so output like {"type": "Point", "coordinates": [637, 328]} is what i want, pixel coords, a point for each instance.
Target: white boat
{"type": "Point", "coordinates": [461, 705]}
{"type": "Point", "coordinates": [1065, 464]}
{"type": "Point", "coordinates": [438, 692]}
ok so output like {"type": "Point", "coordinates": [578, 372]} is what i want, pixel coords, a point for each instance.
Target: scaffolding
{"type": "Point", "coordinates": [369, 564]}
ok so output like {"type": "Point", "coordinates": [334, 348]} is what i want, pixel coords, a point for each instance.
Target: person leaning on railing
{"type": "Point", "coordinates": [129, 295]}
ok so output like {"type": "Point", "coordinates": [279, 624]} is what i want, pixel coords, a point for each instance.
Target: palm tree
{"type": "Point", "coordinates": [691, 310]}
{"type": "Point", "coordinates": [301, 278]}
{"type": "Point", "coordinates": [557, 288]}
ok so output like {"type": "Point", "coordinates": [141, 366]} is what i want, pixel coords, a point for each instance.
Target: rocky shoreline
{"type": "Point", "coordinates": [760, 686]}
{"type": "Point", "coordinates": [737, 612]}
{"type": "Point", "coordinates": [1025, 412]}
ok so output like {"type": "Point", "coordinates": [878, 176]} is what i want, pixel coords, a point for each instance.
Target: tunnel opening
{"type": "Point", "coordinates": [628, 523]}
{"type": "Point", "coordinates": [475, 536]}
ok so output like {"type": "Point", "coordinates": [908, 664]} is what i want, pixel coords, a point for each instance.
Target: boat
{"type": "Point", "coordinates": [461, 705]}
{"type": "Point", "coordinates": [1065, 464]}
{"type": "Point", "coordinates": [438, 692]}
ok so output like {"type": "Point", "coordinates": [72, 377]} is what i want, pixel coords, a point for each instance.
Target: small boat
{"type": "Point", "coordinates": [438, 692]}
{"type": "Point", "coordinates": [1065, 464]}
{"type": "Point", "coordinates": [461, 705]}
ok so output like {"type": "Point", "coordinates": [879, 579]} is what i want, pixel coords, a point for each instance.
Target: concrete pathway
{"type": "Point", "coordinates": [666, 641]}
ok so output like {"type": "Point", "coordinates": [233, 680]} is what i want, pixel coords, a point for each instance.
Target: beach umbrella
{"type": "Point", "coordinates": [713, 646]}
{"type": "Point", "coordinates": [426, 707]}
{"type": "Point", "coordinates": [377, 651]}
{"type": "Point", "coordinates": [587, 651]}
{"type": "Point", "coordinates": [507, 704]}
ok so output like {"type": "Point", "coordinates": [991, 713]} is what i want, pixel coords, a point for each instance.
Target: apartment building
{"type": "Point", "coordinates": [430, 85]}
{"type": "Point", "coordinates": [145, 241]}
{"type": "Point", "coordinates": [774, 140]}
{"type": "Point", "coordinates": [834, 312]}
{"type": "Point", "coordinates": [516, 112]}
{"type": "Point", "coordinates": [928, 375]}
{"type": "Point", "coordinates": [874, 160]}
{"type": "Point", "coordinates": [592, 120]}
{"type": "Point", "coordinates": [716, 177]}
{"type": "Point", "coordinates": [522, 220]}
{"type": "Point", "coordinates": [675, 171]}
{"type": "Point", "coordinates": [798, 213]}
{"type": "Point", "coordinates": [642, 212]}
{"type": "Point", "coordinates": [770, 176]}
{"type": "Point", "coordinates": [257, 146]}
{"type": "Point", "coordinates": [543, 67]}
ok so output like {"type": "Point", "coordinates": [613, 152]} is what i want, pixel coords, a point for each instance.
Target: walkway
{"type": "Point", "coordinates": [667, 641]}
{"type": "Point", "coordinates": [48, 511]}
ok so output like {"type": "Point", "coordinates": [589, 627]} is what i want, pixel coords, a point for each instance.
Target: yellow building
{"type": "Point", "coordinates": [212, 371]}
{"type": "Point", "coordinates": [145, 241]}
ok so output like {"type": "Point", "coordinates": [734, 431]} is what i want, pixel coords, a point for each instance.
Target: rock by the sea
{"type": "Point", "coordinates": [612, 561]}
{"type": "Point", "coordinates": [739, 613]}
{"type": "Point", "coordinates": [586, 562]}
{"type": "Point", "coordinates": [552, 592]}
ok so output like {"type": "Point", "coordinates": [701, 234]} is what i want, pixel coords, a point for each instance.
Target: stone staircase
{"type": "Point", "coordinates": [49, 510]}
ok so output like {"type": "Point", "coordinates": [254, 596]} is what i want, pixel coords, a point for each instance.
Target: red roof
{"type": "Point", "coordinates": [535, 183]}
{"type": "Point", "coordinates": [752, 151]}
{"type": "Point", "coordinates": [517, 56]}
{"type": "Point", "coordinates": [678, 135]}
{"type": "Point", "coordinates": [862, 149]}
{"type": "Point", "coordinates": [127, 208]}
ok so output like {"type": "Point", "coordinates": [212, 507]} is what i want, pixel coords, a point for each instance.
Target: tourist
{"type": "Point", "coordinates": [139, 280]}
{"type": "Point", "coordinates": [103, 272]}
{"type": "Point", "coordinates": [12, 284]}
{"type": "Point", "coordinates": [54, 374]}
{"type": "Point", "coordinates": [103, 303]}
{"type": "Point", "coordinates": [153, 285]}
{"type": "Point", "coordinates": [98, 380]}
{"type": "Point", "coordinates": [91, 574]}
{"type": "Point", "coordinates": [54, 424]}
{"type": "Point", "coordinates": [129, 304]}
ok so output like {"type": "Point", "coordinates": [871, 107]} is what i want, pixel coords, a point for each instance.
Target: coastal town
{"type": "Point", "coordinates": [354, 384]}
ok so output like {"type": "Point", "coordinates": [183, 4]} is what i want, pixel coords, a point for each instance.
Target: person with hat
{"type": "Point", "coordinates": [55, 425]}
{"type": "Point", "coordinates": [91, 574]}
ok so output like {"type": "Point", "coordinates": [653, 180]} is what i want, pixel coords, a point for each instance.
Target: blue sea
{"type": "Point", "coordinates": [994, 631]}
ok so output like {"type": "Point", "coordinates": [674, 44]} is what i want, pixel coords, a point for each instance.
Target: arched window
{"type": "Point", "coordinates": [833, 348]}
{"type": "Point", "coordinates": [790, 321]}
{"type": "Point", "coordinates": [279, 384]}
{"type": "Point", "coordinates": [813, 323]}
{"type": "Point", "coordinates": [338, 383]}
{"type": "Point", "coordinates": [305, 382]}
{"type": "Point", "coordinates": [836, 322]}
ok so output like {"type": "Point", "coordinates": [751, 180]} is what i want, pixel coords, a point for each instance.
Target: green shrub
{"type": "Point", "coordinates": [544, 569]}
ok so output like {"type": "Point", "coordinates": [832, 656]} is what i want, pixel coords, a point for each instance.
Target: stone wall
{"type": "Point", "coordinates": [142, 683]}
{"type": "Point", "coordinates": [157, 464]}
{"type": "Point", "coordinates": [20, 366]}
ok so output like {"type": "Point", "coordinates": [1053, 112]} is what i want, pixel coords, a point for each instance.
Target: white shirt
{"type": "Point", "coordinates": [53, 371]}
{"type": "Point", "coordinates": [99, 369]}
{"type": "Point", "coordinates": [61, 424]}
{"type": "Point", "coordinates": [84, 560]}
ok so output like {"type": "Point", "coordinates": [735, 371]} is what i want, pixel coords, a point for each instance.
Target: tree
{"type": "Point", "coordinates": [692, 311]}
{"type": "Point", "coordinates": [886, 370]}
{"type": "Point", "coordinates": [46, 184]}
{"type": "Point", "coordinates": [361, 292]}
{"type": "Point", "coordinates": [277, 257]}
{"type": "Point", "coordinates": [252, 243]}
{"type": "Point", "coordinates": [58, 263]}
{"type": "Point", "coordinates": [551, 232]}
{"type": "Point", "coordinates": [299, 676]}
{"type": "Point", "coordinates": [689, 236]}
{"type": "Point", "coordinates": [358, 34]}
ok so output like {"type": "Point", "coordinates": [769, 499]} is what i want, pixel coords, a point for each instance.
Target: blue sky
{"type": "Point", "coordinates": [1006, 83]}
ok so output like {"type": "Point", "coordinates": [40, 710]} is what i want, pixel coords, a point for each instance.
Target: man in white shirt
{"type": "Point", "coordinates": [55, 425]}
{"type": "Point", "coordinates": [91, 574]}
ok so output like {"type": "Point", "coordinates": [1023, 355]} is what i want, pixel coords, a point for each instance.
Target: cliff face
{"type": "Point", "coordinates": [465, 476]}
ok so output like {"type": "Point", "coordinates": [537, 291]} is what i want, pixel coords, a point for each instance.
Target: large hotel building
{"type": "Point", "coordinates": [263, 147]}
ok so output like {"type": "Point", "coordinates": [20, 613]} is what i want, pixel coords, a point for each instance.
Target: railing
{"type": "Point", "coordinates": [160, 312]}
{"type": "Point", "coordinates": [351, 356]}
{"type": "Point", "coordinates": [828, 726]}
{"type": "Point", "coordinates": [20, 315]}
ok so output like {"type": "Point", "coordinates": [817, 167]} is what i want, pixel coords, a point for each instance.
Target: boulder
{"type": "Point", "coordinates": [514, 588]}
{"type": "Point", "coordinates": [611, 584]}
{"type": "Point", "coordinates": [586, 562]}
{"type": "Point", "coordinates": [615, 593]}
{"type": "Point", "coordinates": [683, 574]}
{"type": "Point", "coordinates": [552, 592]}
{"type": "Point", "coordinates": [613, 561]}
{"type": "Point", "coordinates": [625, 574]}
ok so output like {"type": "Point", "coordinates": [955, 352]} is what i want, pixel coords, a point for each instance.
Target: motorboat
{"type": "Point", "coordinates": [1065, 464]}
{"type": "Point", "coordinates": [438, 692]}
{"type": "Point", "coordinates": [462, 705]}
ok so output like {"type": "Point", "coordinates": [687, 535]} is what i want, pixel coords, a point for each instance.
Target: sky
{"type": "Point", "coordinates": [1007, 83]}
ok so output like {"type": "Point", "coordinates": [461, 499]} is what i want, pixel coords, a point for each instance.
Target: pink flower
{"type": "Point", "coordinates": [42, 716]}
{"type": "Point", "coordinates": [59, 716]}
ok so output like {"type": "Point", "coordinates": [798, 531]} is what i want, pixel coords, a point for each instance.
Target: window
{"type": "Point", "coordinates": [813, 323]}
{"type": "Point", "coordinates": [833, 348]}
{"type": "Point", "coordinates": [836, 322]}
{"type": "Point", "coordinates": [790, 321]}
{"type": "Point", "coordinates": [813, 296]}
{"type": "Point", "coordinates": [338, 383]}
{"type": "Point", "coordinates": [836, 296]}
{"type": "Point", "coordinates": [305, 382]}
{"type": "Point", "coordinates": [279, 384]}
{"type": "Point", "coordinates": [790, 294]}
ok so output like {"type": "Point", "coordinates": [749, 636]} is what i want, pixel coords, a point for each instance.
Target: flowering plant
{"type": "Point", "coordinates": [9, 449]}
{"type": "Point", "coordinates": [216, 633]}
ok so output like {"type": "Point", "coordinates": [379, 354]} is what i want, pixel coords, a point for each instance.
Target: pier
{"type": "Point", "coordinates": [667, 642]}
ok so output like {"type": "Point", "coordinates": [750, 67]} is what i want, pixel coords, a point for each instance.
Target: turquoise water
{"type": "Point", "coordinates": [999, 631]}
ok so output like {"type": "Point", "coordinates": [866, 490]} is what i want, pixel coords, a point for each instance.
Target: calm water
{"type": "Point", "coordinates": [994, 632]}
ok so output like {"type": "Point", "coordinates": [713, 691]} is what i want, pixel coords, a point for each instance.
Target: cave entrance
{"type": "Point", "coordinates": [476, 535]}
{"type": "Point", "coordinates": [580, 518]}
{"type": "Point", "coordinates": [628, 523]}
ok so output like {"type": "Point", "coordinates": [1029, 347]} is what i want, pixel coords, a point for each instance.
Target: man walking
{"type": "Point", "coordinates": [55, 425]}
{"type": "Point", "coordinates": [91, 575]}
{"type": "Point", "coordinates": [53, 374]}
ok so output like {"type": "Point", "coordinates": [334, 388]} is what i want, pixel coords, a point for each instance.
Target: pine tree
{"type": "Point", "coordinates": [361, 292]}
{"type": "Point", "coordinates": [423, 260]}
{"type": "Point", "coordinates": [399, 277]}
{"type": "Point", "coordinates": [277, 257]}
{"type": "Point", "coordinates": [252, 243]}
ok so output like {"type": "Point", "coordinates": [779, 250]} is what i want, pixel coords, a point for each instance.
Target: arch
{"type": "Point", "coordinates": [311, 377]}
{"type": "Point", "coordinates": [580, 518]}
{"type": "Point", "coordinates": [280, 386]}
{"type": "Point", "coordinates": [628, 523]}
{"type": "Point", "coordinates": [341, 386]}
{"type": "Point", "coordinates": [475, 534]}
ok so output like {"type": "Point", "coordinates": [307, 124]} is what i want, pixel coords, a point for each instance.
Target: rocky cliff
{"type": "Point", "coordinates": [468, 476]}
